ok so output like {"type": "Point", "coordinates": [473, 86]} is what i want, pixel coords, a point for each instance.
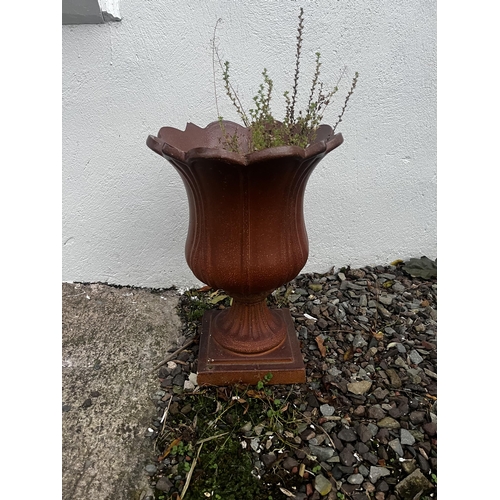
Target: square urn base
{"type": "Point", "coordinates": [218, 366]}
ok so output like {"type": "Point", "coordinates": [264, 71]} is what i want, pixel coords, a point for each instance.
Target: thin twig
{"type": "Point", "coordinates": [336, 330]}
{"type": "Point", "coordinates": [231, 93]}
{"type": "Point", "coordinates": [174, 354]}
{"type": "Point", "coordinates": [213, 67]}
{"type": "Point", "coordinates": [74, 295]}
{"type": "Point", "coordinates": [202, 441]}
{"type": "Point", "coordinates": [317, 425]}
{"type": "Point", "coordinates": [164, 418]}
{"type": "Point", "coordinates": [297, 64]}
{"type": "Point", "coordinates": [353, 86]}
{"type": "Point", "coordinates": [190, 473]}
{"type": "Point", "coordinates": [193, 464]}
{"type": "Point", "coordinates": [327, 435]}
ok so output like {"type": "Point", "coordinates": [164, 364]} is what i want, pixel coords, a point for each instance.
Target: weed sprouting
{"type": "Point", "coordinates": [261, 383]}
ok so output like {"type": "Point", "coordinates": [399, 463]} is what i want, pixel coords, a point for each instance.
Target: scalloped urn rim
{"type": "Point", "coordinates": [250, 270]}
{"type": "Point", "coordinates": [195, 142]}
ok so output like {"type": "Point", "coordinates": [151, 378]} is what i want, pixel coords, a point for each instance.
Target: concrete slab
{"type": "Point", "coordinates": [112, 340]}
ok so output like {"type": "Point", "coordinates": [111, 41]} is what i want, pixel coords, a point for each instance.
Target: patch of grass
{"type": "Point", "coordinates": [219, 431]}
{"type": "Point", "coordinates": [193, 304]}
{"type": "Point", "coordinates": [226, 474]}
{"type": "Point", "coordinates": [197, 306]}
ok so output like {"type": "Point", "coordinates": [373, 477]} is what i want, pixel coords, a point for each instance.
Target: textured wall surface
{"type": "Point", "coordinates": [371, 201]}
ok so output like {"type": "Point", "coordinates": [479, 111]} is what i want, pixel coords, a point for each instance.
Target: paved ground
{"type": "Point", "coordinates": [112, 339]}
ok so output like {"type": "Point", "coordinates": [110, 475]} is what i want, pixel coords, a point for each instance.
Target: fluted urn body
{"type": "Point", "coordinates": [246, 233]}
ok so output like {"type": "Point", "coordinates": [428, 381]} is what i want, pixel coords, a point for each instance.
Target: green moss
{"type": "Point", "coordinates": [224, 467]}
{"type": "Point", "coordinates": [226, 474]}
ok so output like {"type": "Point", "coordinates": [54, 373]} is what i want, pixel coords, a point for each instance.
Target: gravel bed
{"type": "Point", "coordinates": [363, 426]}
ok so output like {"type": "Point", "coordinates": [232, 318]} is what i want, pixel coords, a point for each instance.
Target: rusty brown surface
{"type": "Point", "coordinates": [246, 233]}
{"type": "Point", "coordinates": [219, 366]}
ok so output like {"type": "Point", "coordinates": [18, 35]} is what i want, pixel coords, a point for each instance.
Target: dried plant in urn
{"type": "Point", "coordinates": [245, 186]}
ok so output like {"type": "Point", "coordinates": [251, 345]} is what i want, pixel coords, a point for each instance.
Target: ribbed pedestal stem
{"type": "Point", "coordinates": [249, 327]}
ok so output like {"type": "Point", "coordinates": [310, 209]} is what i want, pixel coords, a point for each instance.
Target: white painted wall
{"type": "Point", "coordinates": [371, 201]}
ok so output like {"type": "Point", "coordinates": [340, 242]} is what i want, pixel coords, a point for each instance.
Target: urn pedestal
{"type": "Point", "coordinates": [247, 237]}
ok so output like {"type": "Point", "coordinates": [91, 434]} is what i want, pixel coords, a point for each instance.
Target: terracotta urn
{"type": "Point", "coordinates": [246, 236]}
